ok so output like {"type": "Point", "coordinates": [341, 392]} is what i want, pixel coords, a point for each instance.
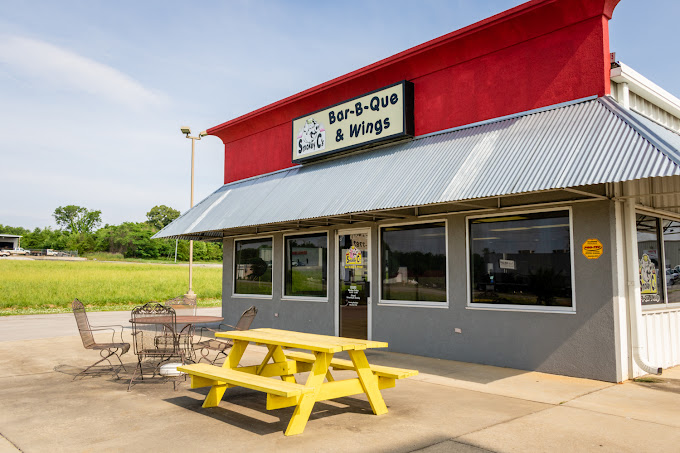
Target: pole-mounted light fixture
{"type": "Point", "coordinates": [187, 131]}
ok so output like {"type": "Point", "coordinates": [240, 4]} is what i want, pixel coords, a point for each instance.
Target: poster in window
{"type": "Point", "coordinates": [648, 280]}
{"type": "Point", "coordinates": [353, 258]}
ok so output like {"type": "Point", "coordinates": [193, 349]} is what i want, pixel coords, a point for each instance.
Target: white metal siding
{"type": "Point", "coordinates": [662, 331]}
{"type": "Point", "coordinates": [644, 187]}
{"type": "Point", "coordinates": [646, 108]}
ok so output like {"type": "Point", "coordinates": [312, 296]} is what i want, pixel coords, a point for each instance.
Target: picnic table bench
{"type": "Point", "coordinates": [287, 392]}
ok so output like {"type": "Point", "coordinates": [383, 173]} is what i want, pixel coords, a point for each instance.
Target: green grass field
{"type": "Point", "coordinates": [31, 287]}
{"type": "Point", "coordinates": [105, 256]}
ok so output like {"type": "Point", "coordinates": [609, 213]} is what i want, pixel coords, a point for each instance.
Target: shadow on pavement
{"type": "Point", "coordinates": [247, 410]}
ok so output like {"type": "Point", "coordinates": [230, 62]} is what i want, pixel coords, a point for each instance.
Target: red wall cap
{"type": "Point", "coordinates": [541, 53]}
{"type": "Point", "coordinates": [517, 24]}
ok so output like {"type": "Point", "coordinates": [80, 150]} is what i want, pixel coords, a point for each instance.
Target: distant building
{"type": "Point", "coordinates": [9, 241]}
{"type": "Point", "coordinates": [506, 194]}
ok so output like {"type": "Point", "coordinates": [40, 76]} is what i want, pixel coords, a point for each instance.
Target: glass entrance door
{"type": "Point", "coordinates": [354, 283]}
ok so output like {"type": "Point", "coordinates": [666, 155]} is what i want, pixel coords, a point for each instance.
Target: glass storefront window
{"type": "Point", "coordinates": [253, 267]}
{"type": "Point", "coordinates": [671, 246]}
{"type": "Point", "coordinates": [521, 260]}
{"type": "Point", "coordinates": [649, 259]}
{"type": "Point", "coordinates": [414, 262]}
{"type": "Point", "coordinates": [306, 267]}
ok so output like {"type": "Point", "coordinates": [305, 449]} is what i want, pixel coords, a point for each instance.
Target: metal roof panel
{"type": "Point", "coordinates": [586, 142]}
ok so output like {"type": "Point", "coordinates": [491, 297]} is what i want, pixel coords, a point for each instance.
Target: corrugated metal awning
{"type": "Point", "coordinates": [585, 142]}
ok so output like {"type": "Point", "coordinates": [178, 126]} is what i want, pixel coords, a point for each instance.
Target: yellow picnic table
{"type": "Point", "coordinates": [285, 364]}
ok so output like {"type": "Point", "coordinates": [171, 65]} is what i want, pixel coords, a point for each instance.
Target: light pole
{"type": "Point", "coordinates": [190, 295]}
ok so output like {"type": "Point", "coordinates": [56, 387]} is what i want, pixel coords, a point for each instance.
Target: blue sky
{"type": "Point", "coordinates": [92, 93]}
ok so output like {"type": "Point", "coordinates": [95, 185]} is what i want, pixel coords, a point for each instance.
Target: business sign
{"type": "Point", "coordinates": [377, 117]}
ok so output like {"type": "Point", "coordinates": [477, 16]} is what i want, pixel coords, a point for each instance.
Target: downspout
{"type": "Point", "coordinates": [634, 290]}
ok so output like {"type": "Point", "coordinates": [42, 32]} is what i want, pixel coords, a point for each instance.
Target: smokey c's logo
{"type": "Point", "coordinates": [377, 117]}
{"type": "Point", "coordinates": [311, 137]}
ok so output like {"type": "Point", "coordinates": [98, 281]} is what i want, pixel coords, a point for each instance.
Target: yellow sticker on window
{"type": "Point", "coordinates": [353, 258]}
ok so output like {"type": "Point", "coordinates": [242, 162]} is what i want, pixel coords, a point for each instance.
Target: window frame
{"type": "Point", "coordinates": [283, 268]}
{"type": "Point", "coordinates": [233, 274]}
{"type": "Point", "coordinates": [414, 303]}
{"type": "Point", "coordinates": [663, 306]}
{"type": "Point", "coordinates": [470, 305]}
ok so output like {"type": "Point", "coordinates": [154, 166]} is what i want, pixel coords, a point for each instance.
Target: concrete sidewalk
{"type": "Point", "coordinates": [450, 406]}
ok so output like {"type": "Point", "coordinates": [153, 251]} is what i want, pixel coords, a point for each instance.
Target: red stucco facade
{"type": "Point", "coordinates": [540, 53]}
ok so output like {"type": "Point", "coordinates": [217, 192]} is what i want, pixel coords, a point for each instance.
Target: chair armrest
{"type": "Point", "coordinates": [187, 330]}
{"type": "Point", "coordinates": [111, 325]}
{"type": "Point", "coordinates": [100, 328]}
{"type": "Point", "coordinates": [114, 334]}
{"type": "Point", "coordinates": [219, 329]}
{"type": "Point", "coordinates": [229, 325]}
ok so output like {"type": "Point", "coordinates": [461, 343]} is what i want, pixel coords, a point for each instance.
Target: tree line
{"type": "Point", "coordinates": [79, 229]}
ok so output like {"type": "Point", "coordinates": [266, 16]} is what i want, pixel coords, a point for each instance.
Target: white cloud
{"type": "Point", "coordinates": [57, 66]}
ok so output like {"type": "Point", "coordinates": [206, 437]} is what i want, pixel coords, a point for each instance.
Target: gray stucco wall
{"type": "Point", "coordinates": [581, 344]}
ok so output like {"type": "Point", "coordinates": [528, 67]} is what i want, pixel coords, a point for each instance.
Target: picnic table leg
{"type": "Point", "coordinates": [235, 354]}
{"type": "Point", "coordinates": [215, 395]}
{"type": "Point", "coordinates": [216, 392]}
{"type": "Point", "coordinates": [304, 408]}
{"type": "Point", "coordinates": [369, 382]}
{"type": "Point", "coordinates": [280, 357]}
{"type": "Point", "coordinates": [271, 348]}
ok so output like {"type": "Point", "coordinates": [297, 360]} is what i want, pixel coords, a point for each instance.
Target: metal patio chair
{"type": "Point", "coordinates": [155, 337]}
{"type": "Point", "coordinates": [184, 307]}
{"type": "Point", "coordinates": [106, 350]}
{"type": "Point", "coordinates": [220, 345]}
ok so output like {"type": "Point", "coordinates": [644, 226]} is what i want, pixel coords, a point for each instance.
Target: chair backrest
{"type": "Point", "coordinates": [145, 330]}
{"type": "Point", "coordinates": [83, 323]}
{"type": "Point", "coordinates": [182, 305]}
{"type": "Point", "coordinates": [246, 318]}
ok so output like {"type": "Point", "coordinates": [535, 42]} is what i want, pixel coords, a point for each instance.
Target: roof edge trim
{"type": "Point", "coordinates": [157, 235]}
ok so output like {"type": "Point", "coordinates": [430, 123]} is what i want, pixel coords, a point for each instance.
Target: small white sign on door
{"type": "Point", "coordinates": [507, 264]}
